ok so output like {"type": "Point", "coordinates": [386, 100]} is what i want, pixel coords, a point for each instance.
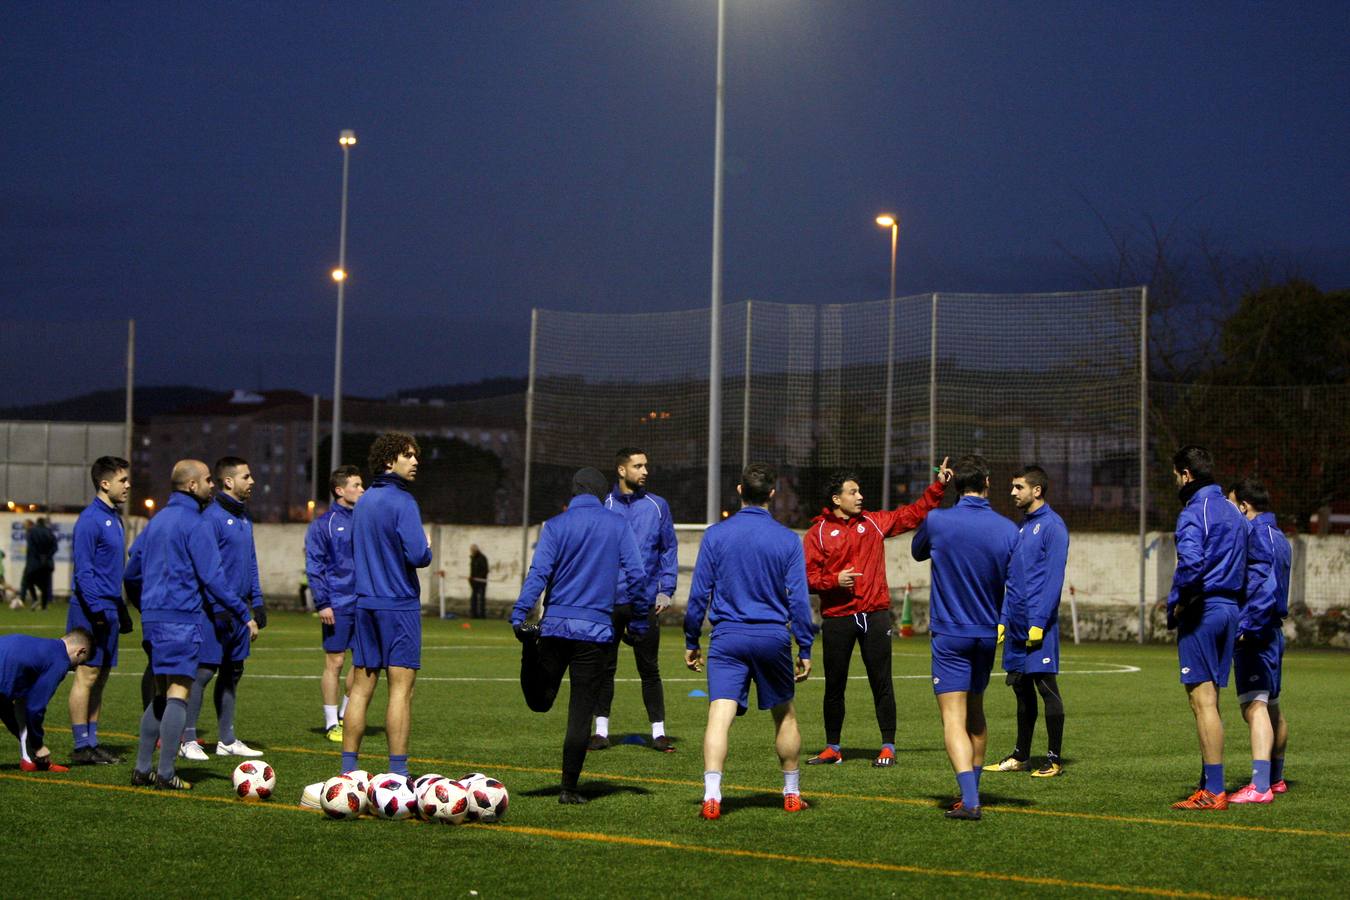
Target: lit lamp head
{"type": "Point", "coordinates": [339, 275]}
{"type": "Point", "coordinates": [347, 138]}
{"type": "Point", "coordinates": [886, 221]}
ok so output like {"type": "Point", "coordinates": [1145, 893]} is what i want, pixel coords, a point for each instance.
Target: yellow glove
{"type": "Point", "coordinates": [1035, 638]}
{"type": "Point", "coordinates": [1001, 629]}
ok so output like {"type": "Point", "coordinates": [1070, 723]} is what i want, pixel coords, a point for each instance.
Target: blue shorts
{"type": "Point", "coordinates": [735, 658]}
{"type": "Point", "coordinates": [388, 637]}
{"type": "Point", "coordinates": [1046, 659]}
{"type": "Point", "coordinates": [1257, 667]}
{"type": "Point", "coordinates": [223, 638]}
{"type": "Point", "coordinates": [341, 635]}
{"type": "Point", "coordinates": [962, 663]}
{"type": "Point", "coordinates": [104, 652]}
{"type": "Point", "coordinates": [1205, 648]}
{"type": "Point", "coordinates": [172, 647]}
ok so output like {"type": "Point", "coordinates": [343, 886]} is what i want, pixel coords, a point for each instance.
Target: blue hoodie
{"type": "Point", "coordinates": [233, 529]}
{"type": "Point", "coordinates": [174, 562]}
{"type": "Point", "coordinates": [389, 546]}
{"type": "Point", "coordinates": [750, 576]}
{"type": "Point", "coordinates": [1267, 578]}
{"type": "Point", "coordinates": [573, 567]}
{"type": "Point", "coordinates": [99, 554]}
{"type": "Point", "coordinates": [31, 668]}
{"type": "Point", "coordinates": [648, 517]}
{"type": "Point", "coordinates": [971, 547]}
{"type": "Point", "coordinates": [1036, 574]}
{"type": "Point", "coordinates": [1211, 552]}
{"type": "Point", "coordinates": [329, 562]}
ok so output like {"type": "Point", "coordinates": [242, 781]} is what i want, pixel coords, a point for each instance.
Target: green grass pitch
{"type": "Point", "coordinates": [1104, 826]}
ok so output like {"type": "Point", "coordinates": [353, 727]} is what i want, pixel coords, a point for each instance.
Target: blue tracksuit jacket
{"type": "Point", "coordinates": [1267, 578]}
{"type": "Point", "coordinates": [574, 566]}
{"type": "Point", "coordinates": [98, 553]}
{"type": "Point", "coordinates": [389, 546]}
{"type": "Point", "coordinates": [233, 530]}
{"type": "Point", "coordinates": [174, 562]}
{"type": "Point", "coordinates": [329, 560]}
{"type": "Point", "coordinates": [1036, 574]}
{"type": "Point", "coordinates": [31, 668]}
{"type": "Point", "coordinates": [1211, 552]}
{"type": "Point", "coordinates": [648, 516]}
{"type": "Point", "coordinates": [970, 546]}
{"type": "Point", "coordinates": [750, 574]}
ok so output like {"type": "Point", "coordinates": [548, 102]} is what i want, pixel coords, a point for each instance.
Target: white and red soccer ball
{"type": "Point", "coordinates": [391, 796]}
{"type": "Point", "coordinates": [443, 801]}
{"type": "Point", "coordinates": [254, 780]}
{"type": "Point", "coordinates": [488, 799]}
{"type": "Point", "coordinates": [343, 797]}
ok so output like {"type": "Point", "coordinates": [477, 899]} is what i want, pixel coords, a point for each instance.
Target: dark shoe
{"type": "Point", "coordinates": [173, 784]}
{"type": "Point", "coordinates": [142, 779]}
{"type": "Point", "coordinates": [106, 756]}
{"type": "Point", "coordinates": [969, 813]}
{"type": "Point", "coordinates": [86, 756]}
{"type": "Point", "coordinates": [664, 744]}
{"type": "Point", "coordinates": [827, 757]}
{"type": "Point", "coordinates": [571, 798]}
{"type": "Point", "coordinates": [598, 742]}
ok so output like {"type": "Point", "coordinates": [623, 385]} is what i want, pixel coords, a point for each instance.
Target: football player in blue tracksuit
{"type": "Point", "coordinates": [970, 546]}
{"type": "Point", "coordinates": [31, 668]}
{"type": "Point", "coordinates": [98, 556]}
{"type": "Point", "coordinates": [174, 564]}
{"type": "Point", "coordinates": [654, 529]}
{"type": "Point", "coordinates": [389, 546]}
{"type": "Point", "coordinates": [1030, 622]}
{"type": "Point", "coordinates": [1211, 541]}
{"type": "Point", "coordinates": [573, 570]}
{"type": "Point", "coordinates": [226, 642]}
{"type": "Point", "coordinates": [750, 580]}
{"type": "Point", "coordinates": [1258, 655]}
{"type": "Point", "coordinates": [330, 567]}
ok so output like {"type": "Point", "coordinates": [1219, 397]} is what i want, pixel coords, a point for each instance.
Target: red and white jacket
{"type": "Point", "coordinates": [834, 543]}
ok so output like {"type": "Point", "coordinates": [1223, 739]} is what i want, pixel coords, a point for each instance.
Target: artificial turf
{"type": "Point", "coordinates": [1104, 825]}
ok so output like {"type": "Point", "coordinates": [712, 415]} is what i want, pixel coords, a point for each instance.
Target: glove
{"type": "Point", "coordinates": [634, 632]}
{"type": "Point", "coordinates": [663, 603]}
{"type": "Point", "coordinates": [1001, 630]}
{"type": "Point", "coordinates": [99, 620]}
{"type": "Point", "coordinates": [1035, 638]}
{"type": "Point", "coordinates": [525, 633]}
{"type": "Point", "coordinates": [260, 616]}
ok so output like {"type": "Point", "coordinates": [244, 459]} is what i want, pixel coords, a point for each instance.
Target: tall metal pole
{"type": "Point", "coordinates": [346, 139]}
{"type": "Point", "coordinates": [714, 503]}
{"type": "Point", "coordinates": [745, 394]}
{"type": "Point", "coordinates": [932, 384]}
{"type": "Point", "coordinates": [890, 378]}
{"type": "Point", "coordinates": [1143, 454]}
{"type": "Point", "coordinates": [529, 453]}
{"type": "Point", "coordinates": [314, 451]}
{"type": "Point", "coordinates": [129, 421]}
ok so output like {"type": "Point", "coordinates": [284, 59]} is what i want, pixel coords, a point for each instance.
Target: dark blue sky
{"type": "Point", "coordinates": [179, 163]}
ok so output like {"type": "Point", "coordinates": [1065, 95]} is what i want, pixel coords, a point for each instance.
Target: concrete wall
{"type": "Point", "coordinates": [1101, 580]}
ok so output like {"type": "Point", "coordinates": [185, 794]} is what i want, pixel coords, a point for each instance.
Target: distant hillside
{"type": "Point", "coordinates": [478, 390]}
{"type": "Point", "coordinates": [110, 406]}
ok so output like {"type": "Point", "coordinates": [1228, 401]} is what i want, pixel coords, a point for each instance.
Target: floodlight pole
{"type": "Point", "coordinates": [714, 500]}
{"type": "Point", "coordinates": [1143, 457]}
{"type": "Point", "coordinates": [346, 140]}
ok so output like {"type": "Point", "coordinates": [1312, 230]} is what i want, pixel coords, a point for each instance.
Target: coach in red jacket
{"type": "Point", "coordinates": [846, 567]}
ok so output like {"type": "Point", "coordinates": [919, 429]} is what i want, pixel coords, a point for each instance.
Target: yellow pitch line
{"type": "Point", "coordinates": [652, 843]}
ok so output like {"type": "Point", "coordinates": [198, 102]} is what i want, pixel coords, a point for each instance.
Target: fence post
{"type": "Point", "coordinates": [890, 400]}
{"type": "Point", "coordinates": [932, 385]}
{"type": "Point", "coordinates": [529, 452]}
{"type": "Point", "coordinates": [1143, 454]}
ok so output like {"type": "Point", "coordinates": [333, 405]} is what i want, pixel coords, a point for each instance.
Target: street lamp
{"type": "Point", "coordinates": [891, 222]}
{"type": "Point", "coordinates": [886, 220]}
{"type": "Point", "coordinates": [347, 140]}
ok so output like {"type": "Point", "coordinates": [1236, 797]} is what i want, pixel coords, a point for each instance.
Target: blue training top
{"type": "Point", "coordinates": [654, 529]}
{"type": "Point", "coordinates": [1211, 542]}
{"type": "Point", "coordinates": [329, 560]}
{"type": "Point", "coordinates": [1267, 578]}
{"type": "Point", "coordinates": [31, 668]}
{"type": "Point", "coordinates": [1036, 574]}
{"type": "Point", "coordinates": [98, 554]}
{"type": "Point", "coordinates": [229, 521]}
{"type": "Point", "coordinates": [389, 546]}
{"type": "Point", "coordinates": [970, 546]}
{"type": "Point", "coordinates": [750, 575]}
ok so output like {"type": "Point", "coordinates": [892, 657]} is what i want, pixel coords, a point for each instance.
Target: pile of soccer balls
{"type": "Point", "coordinates": [432, 798]}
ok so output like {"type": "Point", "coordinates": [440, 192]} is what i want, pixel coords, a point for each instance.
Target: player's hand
{"type": "Point", "coordinates": [1035, 638]}
{"type": "Point", "coordinates": [1001, 631]}
{"type": "Point", "coordinates": [693, 660]}
{"type": "Point", "coordinates": [663, 603]}
{"type": "Point", "coordinates": [945, 472]}
{"type": "Point", "coordinates": [252, 630]}
{"type": "Point", "coordinates": [803, 669]}
{"type": "Point", "coordinates": [99, 620]}
{"type": "Point", "coordinates": [124, 624]}
{"type": "Point", "coordinates": [847, 577]}
{"type": "Point", "coordinates": [326, 615]}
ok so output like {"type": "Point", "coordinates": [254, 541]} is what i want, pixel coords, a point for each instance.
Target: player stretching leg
{"type": "Point", "coordinates": [970, 546]}
{"type": "Point", "coordinates": [750, 579]}
{"type": "Point", "coordinates": [31, 669]}
{"type": "Point", "coordinates": [1258, 656]}
{"type": "Point", "coordinates": [329, 564]}
{"type": "Point", "coordinates": [1031, 619]}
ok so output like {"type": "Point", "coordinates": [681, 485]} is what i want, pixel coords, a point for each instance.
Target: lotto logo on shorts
{"type": "Point", "coordinates": [1046, 661]}
{"type": "Point", "coordinates": [1186, 670]}
{"type": "Point", "coordinates": [936, 680]}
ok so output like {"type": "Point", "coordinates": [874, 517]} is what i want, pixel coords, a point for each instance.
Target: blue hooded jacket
{"type": "Point", "coordinates": [648, 517]}
{"type": "Point", "coordinates": [1036, 574]}
{"type": "Point", "coordinates": [329, 560]}
{"type": "Point", "coordinates": [229, 521]}
{"type": "Point", "coordinates": [389, 546]}
{"type": "Point", "coordinates": [970, 546]}
{"type": "Point", "coordinates": [1267, 578]}
{"type": "Point", "coordinates": [1211, 543]}
{"type": "Point", "coordinates": [98, 553]}
{"type": "Point", "coordinates": [31, 669]}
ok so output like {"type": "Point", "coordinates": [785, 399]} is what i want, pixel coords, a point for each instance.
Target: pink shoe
{"type": "Point", "coordinates": [1279, 787]}
{"type": "Point", "coordinates": [1250, 794]}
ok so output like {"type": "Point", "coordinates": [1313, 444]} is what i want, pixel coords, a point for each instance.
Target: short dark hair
{"type": "Point", "coordinates": [1035, 477]}
{"type": "Point", "coordinates": [83, 635]}
{"type": "Point", "coordinates": [106, 466]}
{"type": "Point", "coordinates": [1252, 492]}
{"type": "Point", "coordinates": [836, 485]}
{"type": "Point", "coordinates": [1198, 460]}
{"type": "Point", "coordinates": [757, 483]}
{"type": "Point", "coordinates": [624, 454]}
{"type": "Point", "coordinates": [340, 477]}
{"type": "Point", "coordinates": [386, 449]}
{"type": "Point", "coordinates": [225, 467]}
{"type": "Point", "coordinates": [972, 474]}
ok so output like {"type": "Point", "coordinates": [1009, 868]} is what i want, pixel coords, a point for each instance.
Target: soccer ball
{"type": "Point", "coordinates": [443, 801]}
{"type": "Point", "coordinates": [471, 777]}
{"type": "Point", "coordinates": [360, 777]}
{"type": "Point", "coordinates": [488, 800]}
{"type": "Point", "coordinates": [341, 799]}
{"type": "Point", "coordinates": [420, 786]}
{"type": "Point", "coordinates": [390, 797]}
{"type": "Point", "coordinates": [254, 780]}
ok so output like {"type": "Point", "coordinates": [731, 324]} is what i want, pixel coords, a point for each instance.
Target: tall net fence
{"type": "Point", "coordinates": [1026, 378]}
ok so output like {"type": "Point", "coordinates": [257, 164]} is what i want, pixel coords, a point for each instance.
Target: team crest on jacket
{"type": "Point", "coordinates": [834, 533]}
{"type": "Point", "coordinates": [1036, 529]}
{"type": "Point", "coordinates": [861, 530]}
{"type": "Point", "coordinates": [229, 521]}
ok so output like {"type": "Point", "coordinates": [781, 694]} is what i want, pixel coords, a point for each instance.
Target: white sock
{"type": "Point", "coordinates": [792, 782]}
{"type": "Point", "coordinates": [342, 712]}
{"type": "Point", "coordinates": [712, 786]}
{"type": "Point", "coordinates": [329, 716]}
{"type": "Point", "coordinates": [658, 729]}
{"type": "Point", "coordinates": [602, 726]}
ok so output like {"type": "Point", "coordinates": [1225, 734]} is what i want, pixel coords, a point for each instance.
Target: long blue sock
{"type": "Point", "coordinates": [145, 747]}
{"type": "Point", "coordinates": [93, 734]}
{"type": "Point", "coordinates": [398, 764]}
{"type": "Point", "coordinates": [1214, 778]}
{"type": "Point", "coordinates": [1276, 769]}
{"type": "Point", "coordinates": [348, 761]}
{"type": "Point", "coordinates": [227, 687]}
{"type": "Point", "coordinates": [170, 733]}
{"type": "Point", "coordinates": [81, 733]}
{"type": "Point", "coordinates": [890, 747]}
{"type": "Point", "coordinates": [978, 773]}
{"type": "Point", "coordinates": [1261, 774]}
{"type": "Point", "coordinates": [194, 704]}
{"type": "Point", "coordinates": [970, 789]}
{"type": "Point", "coordinates": [834, 747]}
